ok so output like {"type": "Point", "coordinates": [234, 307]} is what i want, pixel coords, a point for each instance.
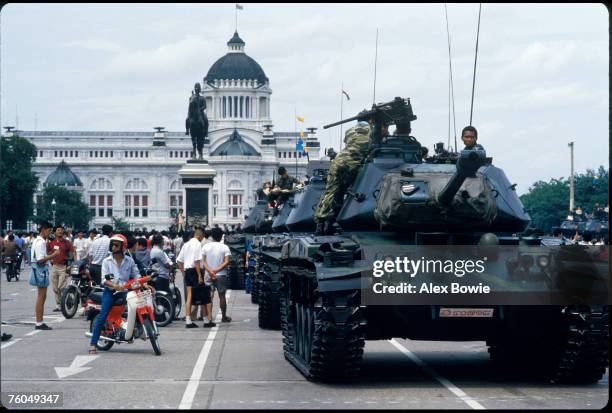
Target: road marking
{"type": "Point", "coordinates": [75, 367]}
{"type": "Point", "coordinates": [14, 294]}
{"type": "Point", "coordinates": [10, 343]}
{"type": "Point", "coordinates": [31, 333]}
{"type": "Point", "coordinates": [198, 369]}
{"type": "Point", "coordinates": [445, 382]}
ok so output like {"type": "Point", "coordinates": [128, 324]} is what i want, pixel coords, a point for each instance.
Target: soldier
{"type": "Point", "coordinates": [342, 173]}
{"type": "Point", "coordinates": [469, 136]}
{"type": "Point", "coordinates": [283, 186]}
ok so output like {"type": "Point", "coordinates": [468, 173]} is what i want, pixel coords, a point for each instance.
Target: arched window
{"type": "Point", "coordinates": [175, 194]}
{"type": "Point", "coordinates": [224, 108]}
{"type": "Point", "coordinates": [247, 111]}
{"type": "Point", "coordinates": [136, 198]}
{"type": "Point", "coordinates": [235, 106]}
{"type": "Point", "coordinates": [234, 199]}
{"type": "Point", "coordinates": [101, 198]}
{"type": "Point", "coordinates": [241, 106]}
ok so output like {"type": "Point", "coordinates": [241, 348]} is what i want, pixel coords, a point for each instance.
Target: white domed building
{"type": "Point", "coordinates": [134, 175]}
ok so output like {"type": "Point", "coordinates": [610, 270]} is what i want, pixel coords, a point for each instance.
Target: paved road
{"type": "Point", "coordinates": [237, 365]}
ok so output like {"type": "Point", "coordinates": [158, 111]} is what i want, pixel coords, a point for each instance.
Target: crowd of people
{"type": "Point", "coordinates": [201, 255]}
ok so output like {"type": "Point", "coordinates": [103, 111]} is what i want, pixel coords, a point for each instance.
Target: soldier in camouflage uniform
{"type": "Point", "coordinates": [342, 173]}
{"type": "Point", "coordinates": [279, 194]}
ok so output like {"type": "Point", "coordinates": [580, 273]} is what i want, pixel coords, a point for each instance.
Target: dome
{"type": "Point", "coordinates": [235, 146]}
{"type": "Point", "coordinates": [236, 65]}
{"type": "Point", "coordinates": [63, 176]}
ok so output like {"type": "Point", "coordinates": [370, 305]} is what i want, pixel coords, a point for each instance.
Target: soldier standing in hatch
{"type": "Point", "coordinates": [469, 136]}
{"type": "Point", "coordinates": [342, 173]}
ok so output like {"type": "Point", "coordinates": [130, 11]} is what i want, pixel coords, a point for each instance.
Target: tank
{"type": "Point", "coordinates": [586, 227]}
{"type": "Point", "coordinates": [295, 218]}
{"type": "Point", "coordinates": [237, 245]}
{"type": "Point", "coordinates": [399, 200]}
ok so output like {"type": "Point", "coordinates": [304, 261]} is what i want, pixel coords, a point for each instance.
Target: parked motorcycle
{"type": "Point", "coordinates": [130, 317]}
{"type": "Point", "coordinates": [10, 266]}
{"type": "Point", "coordinates": [76, 291]}
{"type": "Point", "coordinates": [165, 304]}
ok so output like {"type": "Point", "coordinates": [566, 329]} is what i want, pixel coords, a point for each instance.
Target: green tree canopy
{"type": "Point", "coordinates": [70, 210]}
{"type": "Point", "coordinates": [120, 224]}
{"type": "Point", "coordinates": [548, 202]}
{"type": "Point", "coordinates": [17, 181]}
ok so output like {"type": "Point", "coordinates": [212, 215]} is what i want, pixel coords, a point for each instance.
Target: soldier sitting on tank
{"type": "Point", "coordinates": [469, 136]}
{"type": "Point", "coordinates": [283, 188]}
{"type": "Point", "coordinates": [262, 193]}
{"type": "Point", "coordinates": [342, 172]}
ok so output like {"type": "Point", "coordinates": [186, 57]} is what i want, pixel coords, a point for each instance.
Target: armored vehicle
{"type": "Point", "coordinates": [398, 200]}
{"type": "Point", "coordinates": [296, 216]}
{"type": "Point", "coordinates": [237, 245]}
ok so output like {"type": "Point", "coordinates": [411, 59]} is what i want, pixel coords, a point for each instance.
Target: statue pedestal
{"type": "Point", "coordinates": [197, 181]}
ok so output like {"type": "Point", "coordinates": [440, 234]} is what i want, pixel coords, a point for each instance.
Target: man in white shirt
{"type": "Point", "coordinates": [188, 262]}
{"type": "Point", "coordinates": [80, 245]}
{"type": "Point", "coordinates": [216, 258]}
{"type": "Point", "coordinates": [98, 251]}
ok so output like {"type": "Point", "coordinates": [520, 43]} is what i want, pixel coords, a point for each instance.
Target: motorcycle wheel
{"type": "Point", "coordinates": [152, 337]}
{"type": "Point", "coordinates": [178, 303]}
{"type": "Point", "coordinates": [69, 302]}
{"type": "Point", "coordinates": [101, 344]}
{"type": "Point", "coordinates": [164, 310]}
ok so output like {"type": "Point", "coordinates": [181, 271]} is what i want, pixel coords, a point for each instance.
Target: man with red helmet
{"type": "Point", "coordinates": [121, 268]}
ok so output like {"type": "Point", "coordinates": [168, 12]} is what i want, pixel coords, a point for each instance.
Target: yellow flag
{"type": "Point", "coordinates": [299, 119]}
{"type": "Point", "coordinates": [301, 134]}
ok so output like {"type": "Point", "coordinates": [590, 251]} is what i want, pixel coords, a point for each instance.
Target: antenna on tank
{"type": "Point", "coordinates": [375, 60]}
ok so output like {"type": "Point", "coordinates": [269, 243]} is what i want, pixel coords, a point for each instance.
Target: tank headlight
{"type": "Point", "coordinates": [409, 189]}
{"type": "Point", "coordinates": [543, 261]}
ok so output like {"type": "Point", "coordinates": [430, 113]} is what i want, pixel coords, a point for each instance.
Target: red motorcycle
{"type": "Point", "coordinates": [130, 317]}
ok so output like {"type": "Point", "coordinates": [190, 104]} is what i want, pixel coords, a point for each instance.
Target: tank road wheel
{"type": "Point", "coordinates": [323, 334]}
{"type": "Point", "coordinates": [269, 303]}
{"type": "Point", "coordinates": [578, 354]}
{"type": "Point", "coordinates": [256, 289]}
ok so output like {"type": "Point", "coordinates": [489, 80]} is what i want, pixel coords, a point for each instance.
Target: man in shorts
{"type": "Point", "coordinates": [216, 258]}
{"type": "Point", "coordinates": [189, 262]}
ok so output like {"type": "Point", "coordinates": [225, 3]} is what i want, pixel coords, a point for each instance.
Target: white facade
{"type": "Point", "coordinates": [126, 175]}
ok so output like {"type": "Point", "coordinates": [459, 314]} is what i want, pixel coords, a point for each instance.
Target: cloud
{"type": "Point", "coordinates": [165, 59]}
{"type": "Point", "coordinates": [546, 58]}
{"type": "Point", "coordinates": [101, 45]}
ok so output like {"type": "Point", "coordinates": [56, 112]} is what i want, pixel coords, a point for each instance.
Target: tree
{"type": "Point", "coordinates": [548, 202]}
{"type": "Point", "coordinates": [70, 210]}
{"type": "Point", "coordinates": [17, 181]}
{"type": "Point", "coordinates": [120, 224]}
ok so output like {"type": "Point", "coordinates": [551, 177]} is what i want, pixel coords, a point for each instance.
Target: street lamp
{"type": "Point", "coordinates": [53, 203]}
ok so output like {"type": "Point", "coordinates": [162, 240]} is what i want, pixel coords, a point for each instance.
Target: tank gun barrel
{"type": "Point", "coordinates": [391, 112]}
{"type": "Point", "coordinates": [467, 165]}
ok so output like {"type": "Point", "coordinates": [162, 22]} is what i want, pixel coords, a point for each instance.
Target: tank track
{"type": "Point", "coordinates": [323, 334]}
{"type": "Point", "coordinates": [269, 300]}
{"type": "Point", "coordinates": [579, 355]}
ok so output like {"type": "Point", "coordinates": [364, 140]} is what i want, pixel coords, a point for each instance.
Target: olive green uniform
{"type": "Point", "coordinates": [343, 171]}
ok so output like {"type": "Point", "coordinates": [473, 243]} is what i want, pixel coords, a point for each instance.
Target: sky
{"type": "Point", "coordinates": [541, 78]}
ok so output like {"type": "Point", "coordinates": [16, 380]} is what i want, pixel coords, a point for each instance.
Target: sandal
{"type": "Point", "coordinates": [92, 351]}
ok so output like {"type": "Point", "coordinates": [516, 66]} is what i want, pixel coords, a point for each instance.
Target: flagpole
{"type": "Point", "coordinates": [341, 102]}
